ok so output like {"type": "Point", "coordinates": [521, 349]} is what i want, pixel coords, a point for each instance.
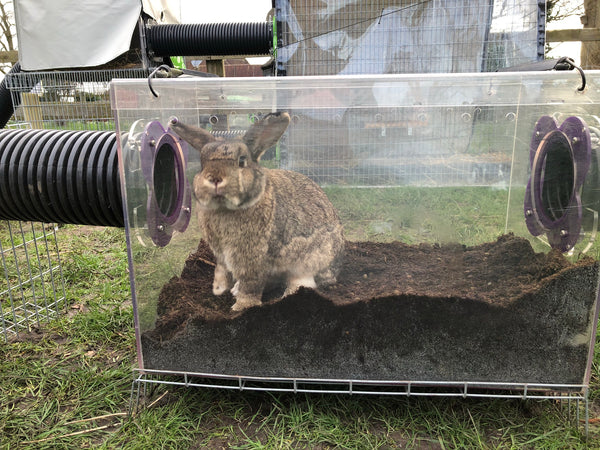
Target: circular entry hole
{"type": "Point", "coordinates": [165, 180]}
{"type": "Point", "coordinates": [558, 176]}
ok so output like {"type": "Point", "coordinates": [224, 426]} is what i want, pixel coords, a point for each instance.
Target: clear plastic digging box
{"type": "Point", "coordinates": [454, 238]}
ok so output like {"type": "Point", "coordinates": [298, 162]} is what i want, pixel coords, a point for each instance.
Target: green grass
{"type": "Point", "coordinates": [414, 215]}
{"type": "Point", "coordinates": [68, 386]}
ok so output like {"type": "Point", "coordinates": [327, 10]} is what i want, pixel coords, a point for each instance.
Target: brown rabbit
{"type": "Point", "coordinates": [261, 224]}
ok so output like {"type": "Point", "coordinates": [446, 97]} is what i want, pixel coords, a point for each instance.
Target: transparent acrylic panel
{"type": "Point", "coordinates": [469, 206]}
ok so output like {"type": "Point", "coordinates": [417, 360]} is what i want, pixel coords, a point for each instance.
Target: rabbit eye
{"type": "Point", "coordinates": [243, 161]}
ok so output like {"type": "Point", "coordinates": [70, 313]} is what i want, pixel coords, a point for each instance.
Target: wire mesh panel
{"type": "Point", "coordinates": [399, 144]}
{"type": "Point", "coordinates": [32, 290]}
{"type": "Point", "coordinates": [407, 36]}
{"type": "Point", "coordinates": [75, 100]}
{"type": "Point", "coordinates": [403, 36]}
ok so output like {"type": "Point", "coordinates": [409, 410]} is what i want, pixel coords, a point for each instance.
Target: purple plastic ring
{"type": "Point", "coordinates": [559, 159]}
{"type": "Point", "coordinates": [163, 159]}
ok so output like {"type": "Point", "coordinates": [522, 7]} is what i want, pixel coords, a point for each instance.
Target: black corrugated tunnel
{"type": "Point", "coordinates": [61, 176]}
{"type": "Point", "coordinates": [212, 39]}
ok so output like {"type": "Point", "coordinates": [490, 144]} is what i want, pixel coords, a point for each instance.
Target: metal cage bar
{"type": "Point", "coordinates": [34, 287]}
{"type": "Point", "coordinates": [572, 394]}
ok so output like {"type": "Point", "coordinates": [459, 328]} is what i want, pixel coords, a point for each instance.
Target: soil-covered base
{"type": "Point", "coordinates": [497, 312]}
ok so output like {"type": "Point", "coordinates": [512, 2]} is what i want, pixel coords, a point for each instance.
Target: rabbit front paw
{"type": "Point", "coordinates": [296, 283]}
{"type": "Point", "coordinates": [235, 290]}
{"type": "Point", "coordinates": [243, 302]}
{"type": "Point", "coordinates": [221, 281]}
{"type": "Point", "coordinates": [220, 287]}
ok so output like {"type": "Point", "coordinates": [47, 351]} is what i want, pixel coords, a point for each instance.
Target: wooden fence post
{"type": "Point", "coordinates": [590, 51]}
{"type": "Point", "coordinates": [216, 66]}
{"type": "Point", "coordinates": [32, 109]}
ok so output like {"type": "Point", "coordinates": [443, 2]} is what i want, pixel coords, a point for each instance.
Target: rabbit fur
{"type": "Point", "coordinates": [261, 224]}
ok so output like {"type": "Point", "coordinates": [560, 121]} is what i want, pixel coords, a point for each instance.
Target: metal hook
{"type": "Point", "coordinates": [583, 81]}
{"type": "Point", "coordinates": [164, 68]}
{"type": "Point", "coordinates": [563, 63]}
{"type": "Point", "coordinates": [566, 63]}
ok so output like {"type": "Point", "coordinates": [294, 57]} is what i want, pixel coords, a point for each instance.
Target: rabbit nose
{"type": "Point", "coordinates": [215, 180]}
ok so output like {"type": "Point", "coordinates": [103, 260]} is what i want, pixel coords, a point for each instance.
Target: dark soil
{"type": "Point", "coordinates": [497, 312]}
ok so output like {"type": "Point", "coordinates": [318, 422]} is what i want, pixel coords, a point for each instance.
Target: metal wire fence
{"type": "Point", "coordinates": [74, 100]}
{"type": "Point", "coordinates": [407, 36]}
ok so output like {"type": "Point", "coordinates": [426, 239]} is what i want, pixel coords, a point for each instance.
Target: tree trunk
{"type": "Point", "coordinates": [590, 51]}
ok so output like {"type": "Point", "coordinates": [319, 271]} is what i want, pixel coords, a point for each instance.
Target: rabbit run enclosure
{"type": "Point", "coordinates": [469, 206]}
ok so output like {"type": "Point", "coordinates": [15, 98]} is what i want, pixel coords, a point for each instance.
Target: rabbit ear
{"type": "Point", "coordinates": [265, 133]}
{"type": "Point", "coordinates": [196, 137]}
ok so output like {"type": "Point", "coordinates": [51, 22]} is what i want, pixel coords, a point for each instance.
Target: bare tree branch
{"type": "Point", "coordinates": [7, 31]}
{"type": "Point", "coordinates": [557, 10]}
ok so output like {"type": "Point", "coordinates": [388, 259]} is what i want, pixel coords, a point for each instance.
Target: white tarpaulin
{"type": "Point", "coordinates": [75, 33]}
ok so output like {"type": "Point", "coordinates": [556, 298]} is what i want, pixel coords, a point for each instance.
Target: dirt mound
{"type": "Point", "coordinates": [493, 312]}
